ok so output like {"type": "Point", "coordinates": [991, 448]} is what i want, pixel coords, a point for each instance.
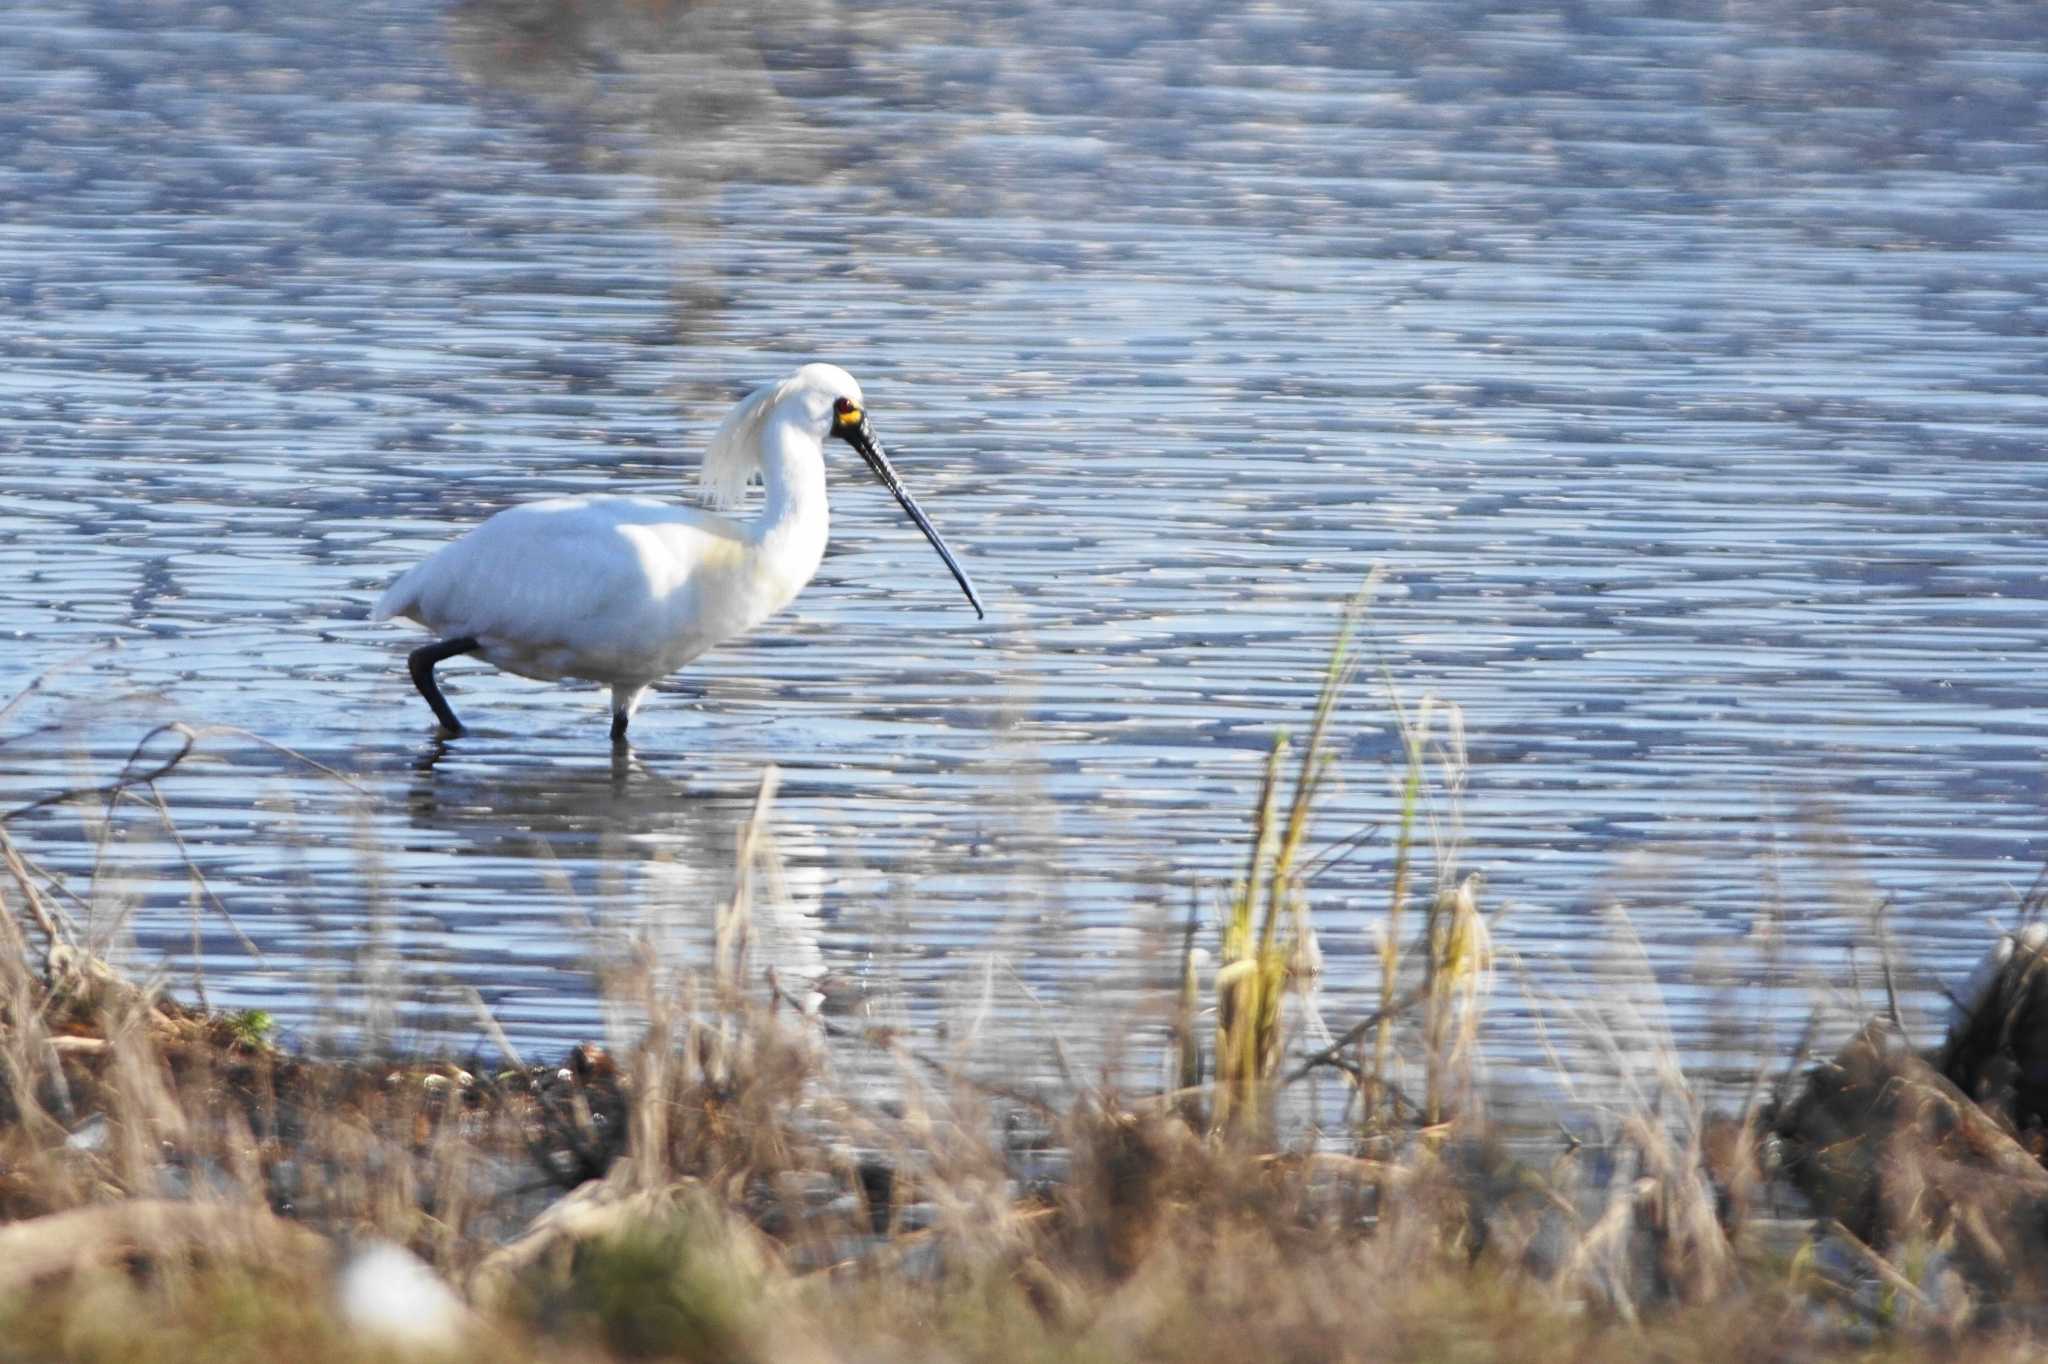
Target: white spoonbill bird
{"type": "Point", "coordinates": [624, 590]}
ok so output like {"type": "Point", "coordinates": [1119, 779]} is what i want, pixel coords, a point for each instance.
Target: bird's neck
{"type": "Point", "coordinates": [793, 481]}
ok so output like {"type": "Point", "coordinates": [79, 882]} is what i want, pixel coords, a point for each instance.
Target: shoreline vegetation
{"type": "Point", "coordinates": [174, 1185]}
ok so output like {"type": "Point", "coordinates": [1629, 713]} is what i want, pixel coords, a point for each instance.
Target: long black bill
{"type": "Point", "coordinates": [862, 438]}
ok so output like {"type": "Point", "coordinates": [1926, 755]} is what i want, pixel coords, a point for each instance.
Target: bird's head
{"type": "Point", "coordinates": [826, 394]}
{"type": "Point", "coordinates": [833, 399]}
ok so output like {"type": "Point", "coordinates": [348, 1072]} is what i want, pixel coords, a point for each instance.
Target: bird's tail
{"type": "Point", "coordinates": [399, 598]}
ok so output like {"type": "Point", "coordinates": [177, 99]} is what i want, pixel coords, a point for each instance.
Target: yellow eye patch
{"type": "Point", "coordinates": [849, 416]}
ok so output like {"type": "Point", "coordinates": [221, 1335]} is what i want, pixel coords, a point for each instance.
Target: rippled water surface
{"type": "Point", "coordinates": [1685, 376]}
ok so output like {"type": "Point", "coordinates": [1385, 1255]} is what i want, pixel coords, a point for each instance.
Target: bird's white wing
{"type": "Point", "coordinates": [559, 573]}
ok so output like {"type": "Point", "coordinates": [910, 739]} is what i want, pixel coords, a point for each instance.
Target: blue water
{"type": "Point", "coordinates": [1683, 373]}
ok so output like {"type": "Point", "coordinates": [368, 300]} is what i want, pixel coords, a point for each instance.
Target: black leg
{"type": "Point", "coordinates": [422, 663]}
{"type": "Point", "coordinates": [618, 726]}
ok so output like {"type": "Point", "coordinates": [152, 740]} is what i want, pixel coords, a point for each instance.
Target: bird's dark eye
{"type": "Point", "coordinates": [842, 406]}
{"type": "Point", "coordinates": [845, 414]}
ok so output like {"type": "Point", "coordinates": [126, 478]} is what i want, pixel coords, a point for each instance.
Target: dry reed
{"type": "Point", "coordinates": [172, 1186]}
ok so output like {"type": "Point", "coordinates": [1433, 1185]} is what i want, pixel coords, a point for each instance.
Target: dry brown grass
{"type": "Point", "coordinates": [172, 1187]}
{"type": "Point", "coordinates": [754, 1212]}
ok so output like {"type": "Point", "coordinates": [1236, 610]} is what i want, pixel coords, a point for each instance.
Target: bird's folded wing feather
{"type": "Point", "coordinates": [555, 570]}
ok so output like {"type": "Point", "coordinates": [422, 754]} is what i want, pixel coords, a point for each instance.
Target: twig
{"type": "Point", "coordinates": [483, 1013]}
{"type": "Point", "coordinates": [1880, 1266]}
{"type": "Point", "coordinates": [288, 752]}
{"type": "Point", "coordinates": [1333, 1055]}
{"type": "Point", "coordinates": [36, 909]}
{"type": "Point", "coordinates": [171, 828]}
{"type": "Point", "coordinates": [39, 1250]}
{"type": "Point", "coordinates": [1059, 1048]}
{"type": "Point", "coordinates": [1891, 984]}
{"type": "Point", "coordinates": [733, 931]}
{"type": "Point", "coordinates": [189, 736]}
{"type": "Point", "coordinates": [881, 1039]}
{"type": "Point", "coordinates": [1340, 852]}
{"type": "Point", "coordinates": [2036, 896]}
{"type": "Point", "coordinates": [129, 776]}
{"type": "Point", "coordinates": [53, 884]}
{"type": "Point", "coordinates": [44, 676]}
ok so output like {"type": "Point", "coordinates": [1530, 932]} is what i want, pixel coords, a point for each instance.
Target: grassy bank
{"type": "Point", "coordinates": [175, 1189]}
{"type": "Point", "coordinates": [736, 1186]}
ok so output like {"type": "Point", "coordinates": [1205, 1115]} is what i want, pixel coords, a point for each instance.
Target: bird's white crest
{"type": "Point", "coordinates": [734, 456]}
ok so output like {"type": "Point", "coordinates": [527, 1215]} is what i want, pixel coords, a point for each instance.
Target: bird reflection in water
{"type": "Point", "coordinates": [638, 850]}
